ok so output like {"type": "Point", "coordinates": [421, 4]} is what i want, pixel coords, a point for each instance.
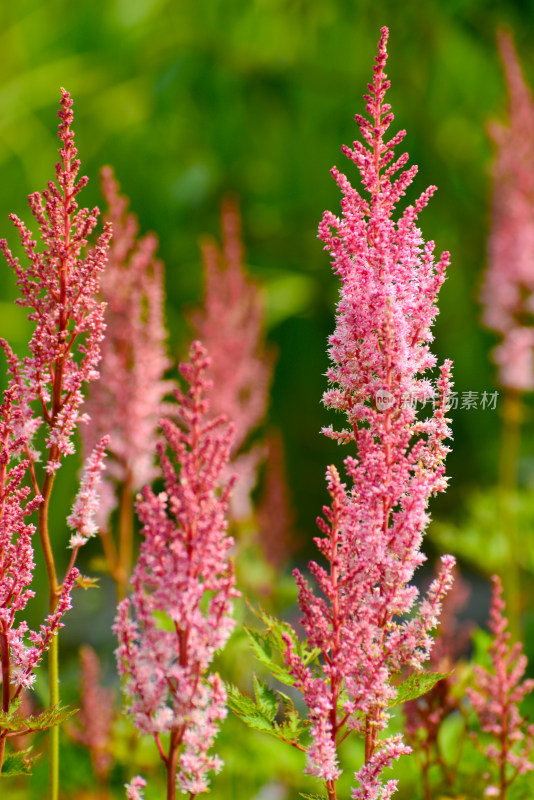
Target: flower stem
{"type": "Point", "coordinates": [53, 671]}
{"type": "Point", "coordinates": [124, 561]}
{"type": "Point", "coordinates": [171, 763]}
{"type": "Point", "coordinates": [509, 457]}
{"type": "Point", "coordinates": [53, 678]}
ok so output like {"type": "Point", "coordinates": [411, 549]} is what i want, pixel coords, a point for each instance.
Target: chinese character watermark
{"type": "Point", "coordinates": [464, 401]}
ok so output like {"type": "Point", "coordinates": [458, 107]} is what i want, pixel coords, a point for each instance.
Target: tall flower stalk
{"type": "Point", "coordinates": [365, 622]}
{"type": "Point", "coordinates": [59, 287]}
{"type": "Point", "coordinates": [18, 656]}
{"type": "Point", "coordinates": [127, 401]}
{"type": "Point", "coordinates": [508, 293]}
{"type": "Point", "coordinates": [179, 614]}
{"type": "Point", "coordinates": [231, 327]}
{"type": "Point", "coordinates": [496, 697]}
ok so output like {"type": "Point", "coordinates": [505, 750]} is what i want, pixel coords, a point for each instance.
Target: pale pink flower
{"type": "Point", "coordinates": [134, 789]}
{"type": "Point", "coordinates": [82, 518]}
{"type": "Point", "coordinates": [508, 291]}
{"type": "Point", "coordinates": [182, 576]}
{"type": "Point", "coordinates": [496, 698]}
{"type": "Point", "coordinates": [231, 327]}
{"type": "Point", "coordinates": [363, 622]}
{"type": "Point", "coordinates": [96, 714]}
{"type": "Point", "coordinates": [127, 401]}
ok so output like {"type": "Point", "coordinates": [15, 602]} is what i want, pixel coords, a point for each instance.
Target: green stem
{"type": "Point", "coordinates": [53, 742]}
{"type": "Point", "coordinates": [125, 554]}
{"type": "Point", "coordinates": [53, 672]}
{"type": "Point", "coordinates": [508, 469]}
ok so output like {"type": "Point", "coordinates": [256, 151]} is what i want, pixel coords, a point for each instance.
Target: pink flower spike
{"type": "Point", "coordinates": [59, 287]}
{"type": "Point", "coordinates": [231, 327]}
{"type": "Point", "coordinates": [183, 576]}
{"type": "Point", "coordinates": [496, 698]}
{"type": "Point", "coordinates": [364, 620]}
{"type": "Point", "coordinates": [82, 518]}
{"type": "Point", "coordinates": [128, 399]}
{"type": "Point", "coordinates": [134, 789]}
{"type": "Point", "coordinates": [508, 291]}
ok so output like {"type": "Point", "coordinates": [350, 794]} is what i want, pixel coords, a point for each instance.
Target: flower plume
{"type": "Point", "coordinates": [230, 325]}
{"type": "Point", "coordinates": [508, 291]}
{"type": "Point", "coordinates": [184, 575]}
{"type": "Point", "coordinates": [127, 401]}
{"type": "Point", "coordinates": [496, 698]}
{"type": "Point", "coordinates": [372, 530]}
{"type": "Point", "coordinates": [60, 288]}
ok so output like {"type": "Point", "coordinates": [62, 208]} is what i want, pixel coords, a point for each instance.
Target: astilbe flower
{"type": "Point", "coordinates": [60, 289]}
{"type": "Point", "coordinates": [425, 715]}
{"type": "Point", "coordinates": [373, 529]}
{"type": "Point", "coordinates": [230, 325]}
{"type": "Point", "coordinates": [59, 286]}
{"type": "Point", "coordinates": [183, 575]}
{"type": "Point", "coordinates": [21, 650]}
{"type": "Point", "coordinates": [95, 718]}
{"type": "Point", "coordinates": [496, 697]}
{"type": "Point", "coordinates": [127, 401]}
{"type": "Point", "coordinates": [508, 291]}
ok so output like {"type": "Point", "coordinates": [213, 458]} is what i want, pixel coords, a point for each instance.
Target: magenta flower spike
{"type": "Point", "coordinates": [373, 528]}
{"type": "Point", "coordinates": [496, 698]}
{"type": "Point", "coordinates": [128, 400]}
{"type": "Point", "coordinates": [230, 325]}
{"type": "Point", "coordinates": [60, 289]}
{"type": "Point", "coordinates": [59, 286]}
{"type": "Point", "coordinates": [508, 291]}
{"type": "Point", "coordinates": [183, 584]}
{"type": "Point", "coordinates": [21, 650]}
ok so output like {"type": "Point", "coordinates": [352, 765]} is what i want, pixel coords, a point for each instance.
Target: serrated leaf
{"type": "Point", "coordinates": [87, 582]}
{"type": "Point", "coordinates": [266, 699]}
{"type": "Point", "coordinates": [263, 719]}
{"type": "Point", "coordinates": [56, 715]}
{"type": "Point", "coordinates": [417, 685]}
{"type": "Point", "coordinates": [17, 764]}
{"type": "Point", "coordinates": [313, 796]}
{"type": "Point", "coordinates": [249, 712]}
{"type": "Point", "coordinates": [292, 726]}
{"type": "Point", "coordinates": [273, 638]}
{"type": "Point", "coordinates": [261, 646]}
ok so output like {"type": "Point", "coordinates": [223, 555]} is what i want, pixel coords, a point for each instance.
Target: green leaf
{"type": "Point", "coordinates": [263, 645]}
{"type": "Point", "coordinates": [292, 726]}
{"type": "Point", "coordinates": [313, 796]}
{"type": "Point", "coordinates": [261, 714]}
{"type": "Point", "coordinates": [262, 648]}
{"type": "Point", "coordinates": [417, 685]}
{"type": "Point", "coordinates": [249, 712]}
{"type": "Point", "coordinates": [266, 699]}
{"type": "Point", "coordinates": [17, 764]}
{"type": "Point", "coordinates": [56, 715]}
{"type": "Point", "coordinates": [87, 582]}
